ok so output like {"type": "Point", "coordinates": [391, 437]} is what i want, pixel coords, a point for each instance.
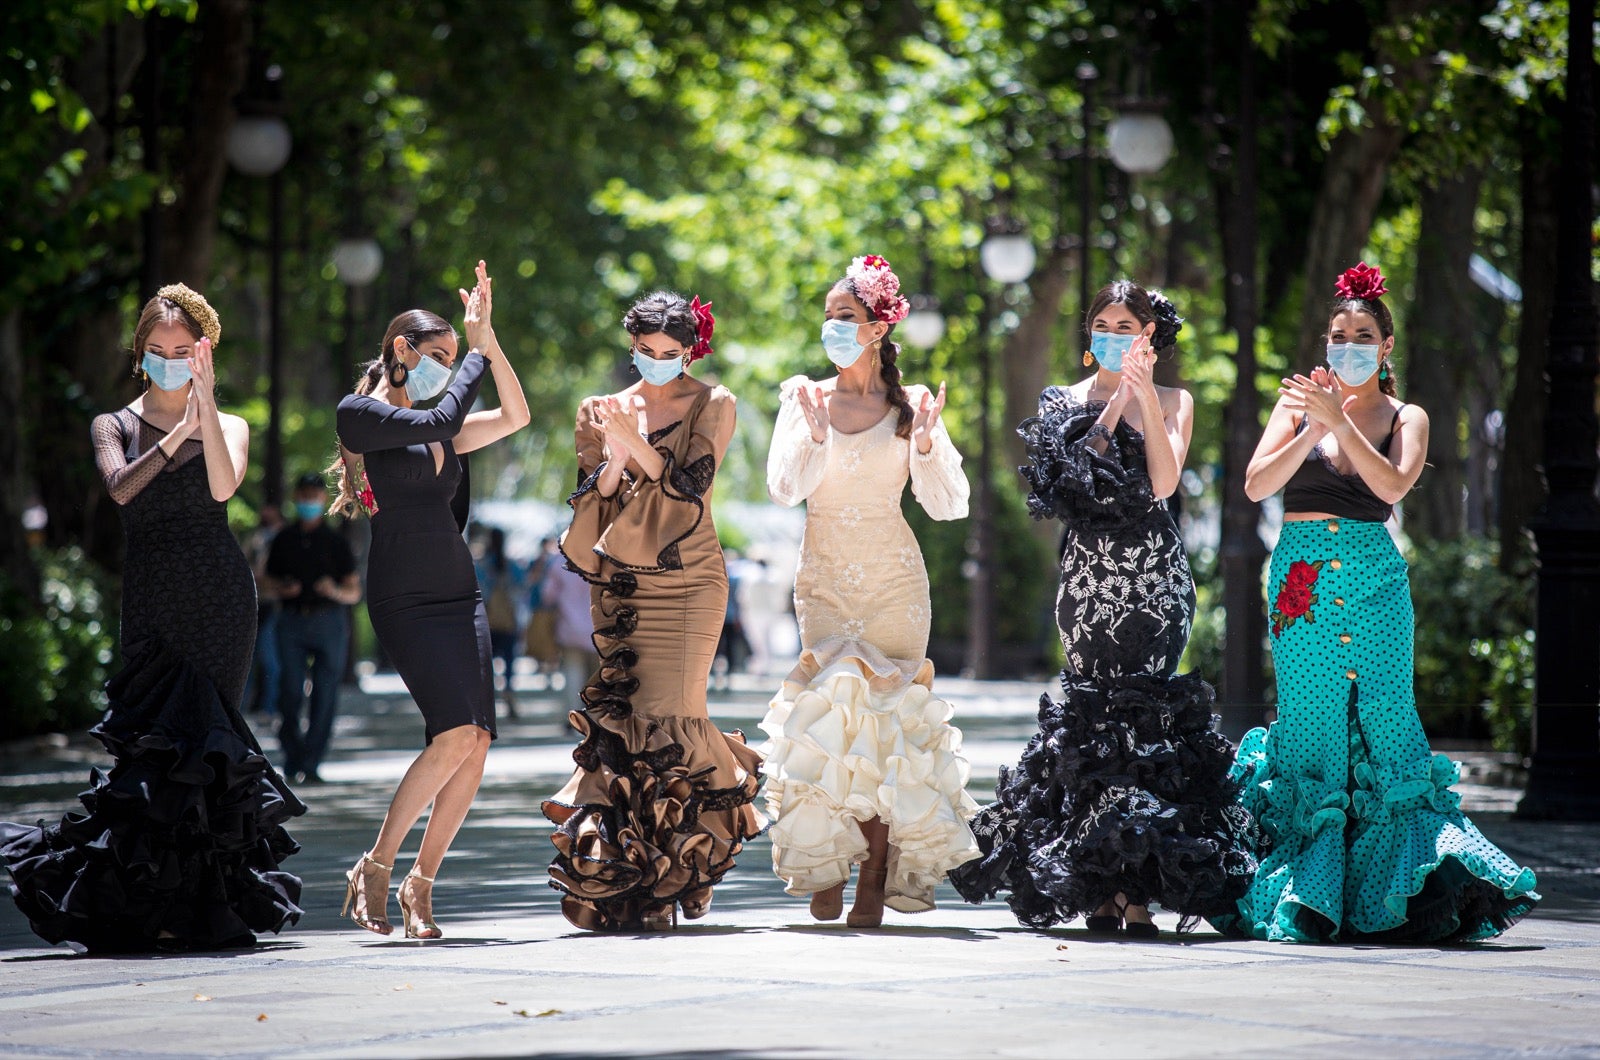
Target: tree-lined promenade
{"type": "Point", "coordinates": [315, 168]}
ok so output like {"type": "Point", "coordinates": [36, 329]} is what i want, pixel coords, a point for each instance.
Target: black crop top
{"type": "Point", "coordinates": [1316, 486]}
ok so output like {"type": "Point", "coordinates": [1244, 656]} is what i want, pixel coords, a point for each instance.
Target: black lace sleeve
{"type": "Point", "coordinates": [1069, 479]}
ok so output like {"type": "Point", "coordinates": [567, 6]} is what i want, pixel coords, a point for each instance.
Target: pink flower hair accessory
{"type": "Point", "coordinates": [878, 288]}
{"type": "Point", "coordinates": [1364, 282]}
{"type": "Point", "coordinates": [704, 324]}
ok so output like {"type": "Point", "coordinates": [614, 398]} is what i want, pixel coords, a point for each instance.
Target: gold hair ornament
{"type": "Point", "coordinates": [194, 303]}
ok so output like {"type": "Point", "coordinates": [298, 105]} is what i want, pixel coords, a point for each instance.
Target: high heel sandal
{"type": "Point", "coordinates": [356, 898]}
{"type": "Point", "coordinates": [828, 904]}
{"type": "Point", "coordinates": [1103, 923]}
{"type": "Point", "coordinates": [659, 918]}
{"type": "Point", "coordinates": [422, 925]}
{"type": "Point", "coordinates": [872, 915]}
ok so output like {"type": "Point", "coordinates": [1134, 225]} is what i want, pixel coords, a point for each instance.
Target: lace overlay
{"type": "Point", "coordinates": [178, 844]}
{"type": "Point", "coordinates": [1125, 787]}
{"type": "Point", "coordinates": [856, 731]}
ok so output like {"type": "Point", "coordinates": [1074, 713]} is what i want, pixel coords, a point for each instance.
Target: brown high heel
{"type": "Point", "coordinates": [358, 897]}
{"type": "Point", "coordinates": [420, 926]}
{"type": "Point", "coordinates": [828, 904]}
{"type": "Point", "coordinates": [868, 909]}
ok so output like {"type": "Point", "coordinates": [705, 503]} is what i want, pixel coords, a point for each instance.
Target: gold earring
{"type": "Point", "coordinates": [1088, 358]}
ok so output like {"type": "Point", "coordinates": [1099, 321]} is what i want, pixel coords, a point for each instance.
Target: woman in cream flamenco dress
{"type": "Point", "coordinates": [863, 765]}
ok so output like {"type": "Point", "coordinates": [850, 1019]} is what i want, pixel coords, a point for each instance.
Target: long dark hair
{"type": "Point", "coordinates": [416, 325]}
{"type": "Point", "coordinates": [1375, 309]}
{"type": "Point", "coordinates": [888, 353]}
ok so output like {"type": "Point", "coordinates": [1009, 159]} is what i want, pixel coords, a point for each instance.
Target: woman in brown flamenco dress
{"type": "Point", "coordinates": [660, 803]}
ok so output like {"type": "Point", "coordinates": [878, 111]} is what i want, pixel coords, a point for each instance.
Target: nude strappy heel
{"type": "Point", "coordinates": [421, 925]}
{"type": "Point", "coordinates": [357, 897]}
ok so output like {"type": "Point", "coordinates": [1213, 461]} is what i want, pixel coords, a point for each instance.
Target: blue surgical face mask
{"type": "Point", "coordinates": [1109, 349]}
{"type": "Point", "coordinates": [657, 373]}
{"type": "Point", "coordinates": [839, 341]}
{"type": "Point", "coordinates": [427, 379]}
{"type": "Point", "coordinates": [164, 373]}
{"type": "Point", "coordinates": [308, 510]}
{"type": "Point", "coordinates": [1352, 362]}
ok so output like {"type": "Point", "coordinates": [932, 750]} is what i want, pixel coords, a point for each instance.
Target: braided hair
{"type": "Point", "coordinates": [888, 354]}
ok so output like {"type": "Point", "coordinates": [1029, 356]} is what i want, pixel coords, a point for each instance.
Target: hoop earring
{"type": "Point", "coordinates": [1088, 358]}
{"type": "Point", "coordinates": [404, 373]}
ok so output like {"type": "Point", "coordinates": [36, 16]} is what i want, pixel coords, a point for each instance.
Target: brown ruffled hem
{"type": "Point", "coordinates": [654, 815]}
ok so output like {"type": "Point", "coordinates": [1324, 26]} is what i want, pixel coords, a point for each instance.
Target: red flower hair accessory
{"type": "Point", "coordinates": [704, 324]}
{"type": "Point", "coordinates": [1364, 282]}
{"type": "Point", "coordinates": [878, 288]}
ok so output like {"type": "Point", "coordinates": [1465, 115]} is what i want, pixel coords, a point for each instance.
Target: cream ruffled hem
{"type": "Point", "coordinates": [853, 739]}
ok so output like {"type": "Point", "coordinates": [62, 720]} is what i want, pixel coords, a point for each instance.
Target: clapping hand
{"type": "Point", "coordinates": [202, 369]}
{"type": "Point", "coordinates": [618, 419]}
{"type": "Point", "coordinates": [479, 305]}
{"type": "Point", "coordinates": [814, 406]}
{"type": "Point", "coordinates": [1138, 367]}
{"type": "Point", "coordinates": [1319, 397]}
{"type": "Point", "coordinates": [926, 419]}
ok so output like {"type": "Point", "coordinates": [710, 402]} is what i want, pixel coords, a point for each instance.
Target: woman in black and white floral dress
{"type": "Point", "coordinates": [1122, 798]}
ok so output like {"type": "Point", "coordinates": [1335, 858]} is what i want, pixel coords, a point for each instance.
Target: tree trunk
{"type": "Point", "coordinates": [1521, 480]}
{"type": "Point", "coordinates": [1443, 344]}
{"type": "Point", "coordinates": [1025, 358]}
{"type": "Point", "coordinates": [18, 564]}
{"type": "Point", "coordinates": [1353, 178]}
{"type": "Point", "coordinates": [219, 67]}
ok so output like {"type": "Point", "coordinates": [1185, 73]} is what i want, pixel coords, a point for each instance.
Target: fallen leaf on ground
{"type": "Point", "coordinates": [202, 997]}
{"type": "Point", "coordinates": [548, 1012]}
{"type": "Point", "coordinates": [407, 986]}
{"type": "Point", "coordinates": [499, 1002]}
{"type": "Point", "coordinates": [1062, 946]}
{"type": "Point", "coordinates": [261, 1018]}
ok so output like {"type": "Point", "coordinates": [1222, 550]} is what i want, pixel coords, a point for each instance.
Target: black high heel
{"type": "Point", "coordinates": [1135, 930]}
{"type": "Point", "coordinates": [1103, 925]}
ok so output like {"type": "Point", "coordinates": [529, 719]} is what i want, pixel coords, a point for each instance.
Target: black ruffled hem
{"type": "Point", "coordinates": [1070, 480]}
{"type": "Point", "coordinates": [180, 843]}
{"type": "Point", "coordinates": [1124, 789]}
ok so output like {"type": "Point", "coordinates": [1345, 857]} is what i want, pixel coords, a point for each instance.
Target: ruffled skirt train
{"type": "Point", "coordinates": [852, 738]}
{"type": "Point", "coordinates": [179, 843]}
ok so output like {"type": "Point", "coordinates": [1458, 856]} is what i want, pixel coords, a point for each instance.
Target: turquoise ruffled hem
{"type": "Point", "coordinates": [1384, 854]}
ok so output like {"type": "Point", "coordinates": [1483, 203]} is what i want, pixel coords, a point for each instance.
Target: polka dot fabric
{"type": "Point", "coordinates": [1361, 835]}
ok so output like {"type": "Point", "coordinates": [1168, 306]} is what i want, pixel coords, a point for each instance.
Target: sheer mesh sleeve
{"type": "Point", "coordinates": [1069, 478]}
{"type": "Point", "coordinates": [124, 480]}
{"type": "Point", "coordinates": [366, 425]}
{"type": "Point", "coordinates": [936, 478]}
{"type": "Point", "coordinates": [796, 461]}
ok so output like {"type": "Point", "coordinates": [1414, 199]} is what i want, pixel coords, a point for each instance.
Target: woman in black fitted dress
{"type": "Point", "coordinates": [178, 845]}
{"type": "Point", "coordinates": [402, 465]}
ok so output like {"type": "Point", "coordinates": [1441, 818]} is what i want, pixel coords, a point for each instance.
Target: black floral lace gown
{"type": "Point", "coordinates": [179, 843]}
{"type": "Point", "coordinates": [1125, 786]}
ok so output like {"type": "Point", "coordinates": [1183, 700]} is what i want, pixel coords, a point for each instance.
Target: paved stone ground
{"type": "Point", "coordinates": [756, 978]}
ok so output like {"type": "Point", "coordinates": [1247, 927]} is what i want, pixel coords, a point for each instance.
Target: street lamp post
{"type": "Point", "coordinates": [258, 146]}
{"type": "Point", "coordinates": [1564, 780]}
{"type": "Point", "coordinates": [1007, 257]}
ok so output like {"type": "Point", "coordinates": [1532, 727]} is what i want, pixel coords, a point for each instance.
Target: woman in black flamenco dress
{"type": "Point", "coordinates": [178, 845]}
{"type": "Point", "coordinates": [1122, 798]}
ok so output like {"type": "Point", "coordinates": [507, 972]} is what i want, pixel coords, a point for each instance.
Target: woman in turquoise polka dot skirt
{"type": "Point", "coordinates": [1362, 836]}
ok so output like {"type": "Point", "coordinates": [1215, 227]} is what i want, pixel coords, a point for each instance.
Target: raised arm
{"type": "Point", "coordinates": [800, 443]}
{"type": "Point", "coordinates": [1389, 477]}
{"type": "Point", "coordinates": [1279, 453]}
{"type": "Point", "coordinates": [367, 425]}
{"type": "Point", "coordinates": [491, 425]}
{"type": "Point", "coordinates": [937, 481]}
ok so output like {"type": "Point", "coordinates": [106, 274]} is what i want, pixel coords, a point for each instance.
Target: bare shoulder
{"type": "Point", "coordinates": [1410, 415]}
{"type": "Point", "coordinates": [1174, 398]}
{"type": "Point", "coordinates": [232, 423]}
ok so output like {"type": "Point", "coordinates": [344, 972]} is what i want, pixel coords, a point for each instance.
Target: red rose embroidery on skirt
{"type": "Point", "coordinates": [1295, 596]}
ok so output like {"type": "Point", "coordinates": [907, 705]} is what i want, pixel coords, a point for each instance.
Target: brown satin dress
{"type": "Point", "coordinates": [661, 801]}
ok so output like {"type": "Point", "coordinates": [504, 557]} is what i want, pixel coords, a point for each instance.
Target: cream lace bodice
{"type": "Point", "coordinates": [861, 576]}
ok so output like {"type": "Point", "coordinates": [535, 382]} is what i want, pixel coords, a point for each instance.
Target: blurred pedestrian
{"type": "Point", "coordinates": [313, 572]}
{"type": "Point", "coordinates": [539, 640]}
{"type": "Point", "coordinates": [503, 582]}
{"type": "Point", "coordinates": [179, 843]}
{"type": "Point", "coordinates": [261, 687]}
{"type": "Point", "coordinates": [566, 595]}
